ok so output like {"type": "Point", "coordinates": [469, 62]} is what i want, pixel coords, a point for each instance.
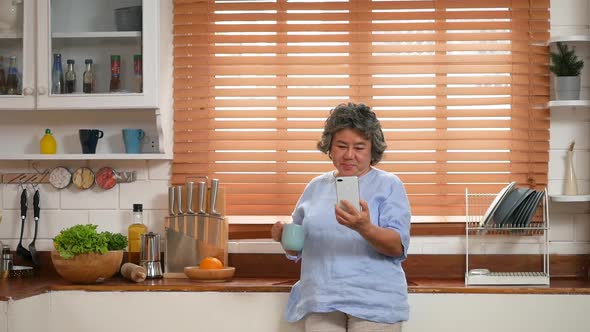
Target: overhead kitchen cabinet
{"type": "Point", "coordinates": [34, 30]}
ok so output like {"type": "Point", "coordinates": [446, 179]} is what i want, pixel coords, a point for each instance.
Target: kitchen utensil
{"type": "Point", "coordinates": [89, 139]}
{"type": "Point", "coordinates": [36, 212]}
{"type": "Point", "coordinates": [132, 139]}
{"type": "Point", "coordinates": [7, 261]}
{"type": "Point", "coordinates": [171, 202]}
{"type": "Point", "coordinates": [201, 211]}
{"type": "Point", "coordinates": [60, 177]}
{"type": "Point", "coordinates": [133, 272]}
{"type": "Point", "coordinates": [178, 200]}
{"type": "Point", "coordinates": [213, 197]}
{"type": "Point", "coordinates": [20, 249]}
{"type": "Point", "coordinates": [293, 237]}
{"type": "Point", "coordinates": [83, 178]}
{"type": "Point", "coordinates": [181, 250]}
{"type": "Point", "coordinates": [190, 221]}
{"type": "Point", "coordinates": [149, 255]}
{"type": "Point", "coordinates": [214, 220]}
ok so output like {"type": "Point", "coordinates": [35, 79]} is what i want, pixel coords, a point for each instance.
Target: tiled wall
{"type": "Point", "coordinates": [110, 209]}
{"type": "Point", "coordinates": [570, 222]}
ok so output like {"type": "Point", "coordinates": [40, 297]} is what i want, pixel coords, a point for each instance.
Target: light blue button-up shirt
{"type": "Point", "coordinates": [340, 270]}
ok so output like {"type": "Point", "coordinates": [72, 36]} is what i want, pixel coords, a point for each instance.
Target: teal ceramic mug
{"type": "Point", "coordinates": [293, 237]}
{"type": "Point", "coordinates": [132, 139]}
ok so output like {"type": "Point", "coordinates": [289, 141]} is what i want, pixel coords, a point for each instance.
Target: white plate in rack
{"type": "Point", "coordinates": [499, 198]}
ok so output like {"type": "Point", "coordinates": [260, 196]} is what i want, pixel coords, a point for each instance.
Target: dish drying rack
{"type": "Point", "coordinates": [476, 206]}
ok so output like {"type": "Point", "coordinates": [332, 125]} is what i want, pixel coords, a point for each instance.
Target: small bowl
{"type": "Point", "coordinates": [209, 275]}
{"type": "Point", "coordinates": [88, 268]}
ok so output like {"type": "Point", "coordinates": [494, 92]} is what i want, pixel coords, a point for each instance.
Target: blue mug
{"type": "Point", "coordinates": [293, 237]}
{"type": "Point", "coordinates": [132, 139]}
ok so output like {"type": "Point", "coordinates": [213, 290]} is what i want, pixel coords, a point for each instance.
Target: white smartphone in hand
{"type": "Point", "coordinates": [347, 188]}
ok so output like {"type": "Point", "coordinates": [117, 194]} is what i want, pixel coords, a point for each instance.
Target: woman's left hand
{"type": "Point", "coordinates": [359, 221]}
{"type": "Point", "coordinates": [384, 240]}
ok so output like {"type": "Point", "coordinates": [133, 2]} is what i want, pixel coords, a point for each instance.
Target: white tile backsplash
{"type": "Point", "coordinates": [160, 170]}
{"type": "Point", "coordinates": [111, 220]}
{"type": "Point", "coordinates": [562, 228]}
{"type": "Point", "coordinates": [73, 198]}
{"type": "Point", "coordinates": [152, 194]}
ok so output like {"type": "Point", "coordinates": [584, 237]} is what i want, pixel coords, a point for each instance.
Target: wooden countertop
{"type": "Point", "coordinates": [15, 289]}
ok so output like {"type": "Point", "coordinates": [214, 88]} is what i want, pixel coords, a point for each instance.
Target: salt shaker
{"type": "Point", "coordinates": [6, 258]}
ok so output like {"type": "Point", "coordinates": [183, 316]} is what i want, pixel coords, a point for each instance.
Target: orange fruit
{"type": "Point", "coordinates": [210, 263]}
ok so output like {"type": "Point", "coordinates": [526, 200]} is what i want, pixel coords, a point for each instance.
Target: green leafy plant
{"type": "Point", "coordinates": [565, 62]}
{"type": "Point", "coordinates": [83, 238]}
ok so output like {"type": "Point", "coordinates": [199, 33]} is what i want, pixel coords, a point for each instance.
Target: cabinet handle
{"type": "Point", "coordinates": [28, 91]}
{"type": "Point", "coordinates": [41, 91]}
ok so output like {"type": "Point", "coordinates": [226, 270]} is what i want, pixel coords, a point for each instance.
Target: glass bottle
{"type": "Point", "coordinates": [57, 75]}
{"type": "Point", "coordinates": [70, 86]}
{"type": "Point", "coordinates": [88, 77]}
{"type": "Point", "coordinates": [2, 77]}
{"type": "Point", "coordinates": [115, 73]}
{"type": "Point", "coordinates": [138, 71]}
{"type": "Point", "coordinates": [134, 233]}
{"type": "Point", "coordinates": [12, 79]}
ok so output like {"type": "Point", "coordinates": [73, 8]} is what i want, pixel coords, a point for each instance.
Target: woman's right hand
{"type": "Point", "coordinates": [277, 231]}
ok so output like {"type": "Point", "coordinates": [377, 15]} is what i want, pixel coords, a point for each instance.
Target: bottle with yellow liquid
{"type": "Point", "coordinates": [134, 233]}
{"type": "Point", "coordinates": [47, 145]}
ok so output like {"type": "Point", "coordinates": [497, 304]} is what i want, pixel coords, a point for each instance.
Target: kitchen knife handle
{"type": "Point", "coordinates": [201, 202]}
{"type": "Point", "coordinates": [36, 209]}
{"type": "Point", "coordinates": [213, 198]}
{"type": "Point", "coordinates": [179, 200]}
{"type": "Point", "coordinates": [171, 201]}
{"type": "Point", "coordinates": [190, 187]}
{"type": "Point", "coordinates": [23, 204]}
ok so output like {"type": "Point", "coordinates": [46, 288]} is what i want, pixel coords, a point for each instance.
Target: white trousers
{"type": "Point", "coordinates": [341, 322]}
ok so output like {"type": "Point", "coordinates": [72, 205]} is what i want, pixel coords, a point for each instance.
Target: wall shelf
{"type": "Point", "coordinates": [557, 104]}
{"type": "Point", "coordinates": [570, 198]}
{"type": "Point", "coordinates": [80, 156]}
{"type": "Point", "coordinates": [106, 34]}
{"type": "Point", "coordinates": [570, 38]}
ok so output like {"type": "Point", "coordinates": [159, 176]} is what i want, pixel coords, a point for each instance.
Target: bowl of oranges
{"type": "Point", "coordinates": [210, 269]}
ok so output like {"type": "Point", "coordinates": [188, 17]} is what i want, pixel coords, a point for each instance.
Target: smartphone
{"type": "Point", "coordinates": [347, 188]}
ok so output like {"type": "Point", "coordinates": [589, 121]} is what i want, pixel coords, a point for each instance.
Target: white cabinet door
{"type": "Point", "coordinates": [80, 30]}
{"type": "Point", "coordinates": [87, 29]}
{"type": "Point", "coordinates": [17, 39]}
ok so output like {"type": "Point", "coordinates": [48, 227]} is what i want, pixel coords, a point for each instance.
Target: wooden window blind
{"type": "Point", "coordinates": [460, 87]}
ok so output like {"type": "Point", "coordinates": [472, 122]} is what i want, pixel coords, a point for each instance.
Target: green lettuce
{"type": "Point", "coordinates": [83, 238]}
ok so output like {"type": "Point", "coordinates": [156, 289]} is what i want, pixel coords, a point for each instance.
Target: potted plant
{"type": "Point", "coordinates": [83, 255]}
{"type": "Point", "coordinates": [567, 67]}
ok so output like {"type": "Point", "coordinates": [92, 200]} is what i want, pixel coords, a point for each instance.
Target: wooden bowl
{"type": "Point", "coordinates": [210, 275]}
{"type": "Point", "coordinates": [88, 268]}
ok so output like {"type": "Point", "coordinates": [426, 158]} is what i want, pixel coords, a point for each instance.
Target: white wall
{"type": "Point", "coordinates": [570, 224]}
{"type": "Point", "coordinates": [263, 312]}
{"type": "Point", "coordinates": [570, 231]}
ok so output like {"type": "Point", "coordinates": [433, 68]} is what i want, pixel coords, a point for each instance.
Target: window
{"type": "Point", "coordinates": [460, 88]}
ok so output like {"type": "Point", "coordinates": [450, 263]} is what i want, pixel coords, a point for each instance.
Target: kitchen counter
{"type": "Point", "coordinates": [15, 289]}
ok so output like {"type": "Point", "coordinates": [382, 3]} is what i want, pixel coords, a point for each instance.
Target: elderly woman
{"type": "Point", "coordinates": [351, 274]}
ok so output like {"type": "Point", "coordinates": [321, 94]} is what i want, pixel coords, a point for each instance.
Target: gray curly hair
{"type": "Point", "coordinates": [354, 116]}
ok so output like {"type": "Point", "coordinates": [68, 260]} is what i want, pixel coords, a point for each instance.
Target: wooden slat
{"type": "Point", "coordinates": [456, 126]}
